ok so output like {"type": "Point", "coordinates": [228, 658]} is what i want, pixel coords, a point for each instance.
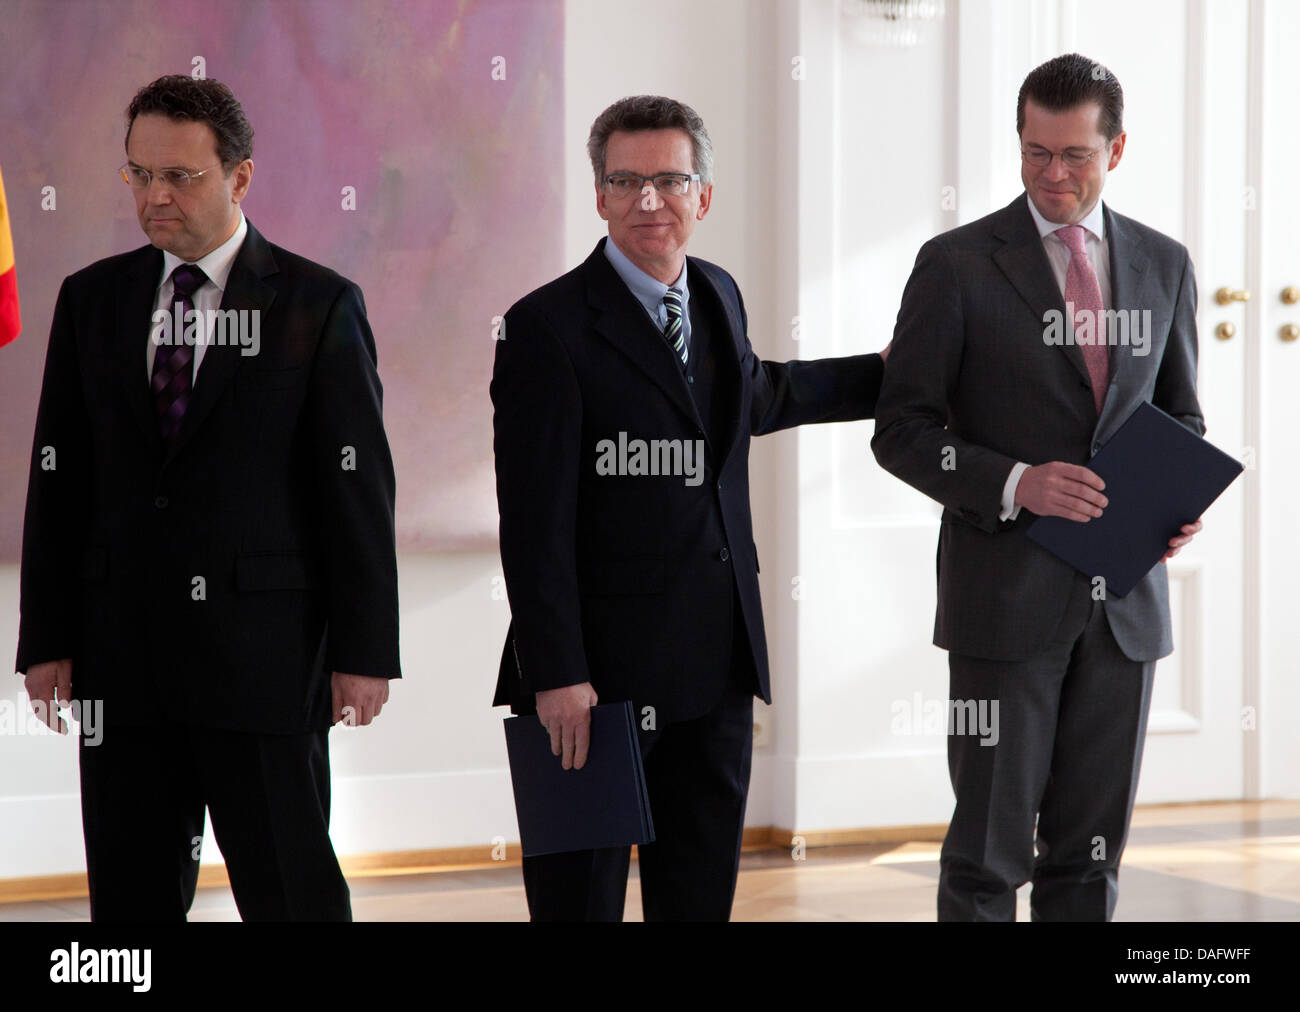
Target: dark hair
{"type": "Point", "coordinates": [1065, 82]}
{"type": "Point", "coordinates": [651, 112]}
{"type": "Point", "coordinates": [180, 97]}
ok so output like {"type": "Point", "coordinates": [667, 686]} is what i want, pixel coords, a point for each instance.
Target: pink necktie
{"type": "Point", "coordinates": [1082, 290]}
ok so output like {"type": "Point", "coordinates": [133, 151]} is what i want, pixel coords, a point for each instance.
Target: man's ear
{"type": "Point", "coordinates": [243, 177]}
{"type": "Point", "coordinates": [601, 209]}
{"type": "Point", "coordinates": [1116, 151]}
{"type": "Point", "coordinates": [706, 197]}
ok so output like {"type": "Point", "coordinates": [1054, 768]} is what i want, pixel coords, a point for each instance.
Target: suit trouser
{"type": "Point", "coordinates": [1070, 729]}
{"type": "Point", "coordinates": [697, 776]}
{"type": "Point", "coordinates": [143, 794]}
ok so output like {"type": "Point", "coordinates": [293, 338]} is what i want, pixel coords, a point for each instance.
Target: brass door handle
{"type": "Point", "coordinates": [1227, 296]}
{"type": "Point", "coordinates": [1225, 331]}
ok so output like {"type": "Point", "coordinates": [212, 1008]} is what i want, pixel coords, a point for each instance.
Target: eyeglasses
{"type": "Point", "coordinates": [176, 179]}
{"type": "Point", "coordinates": [668, 184]}
{"type": "Point", "coordinates": [1073, 158]}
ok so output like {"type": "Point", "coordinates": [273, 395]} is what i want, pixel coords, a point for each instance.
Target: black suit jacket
{"type": "Point", "coordinates": [295, 551]}
{"type": "Point", "coordinates": [970, 370]}
{"type": "Point", "coordinates": [629, 581]}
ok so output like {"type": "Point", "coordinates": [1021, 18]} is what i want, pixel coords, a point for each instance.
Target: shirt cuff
{"type": "Point", "coordinates": [1009, 508]}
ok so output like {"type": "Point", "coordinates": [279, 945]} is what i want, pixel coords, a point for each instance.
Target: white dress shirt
{"type": "Point", "coordinates": [1058, 255]}
{"type": "Point", "coordinates": [216, 265]}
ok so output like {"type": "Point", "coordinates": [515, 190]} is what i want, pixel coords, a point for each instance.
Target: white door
{"type": "Point", "coordinates": [1183, 66]}
{"type": "Point", "coordinates": [896, 144]}
{"type": "Point", "coordinates": [1274, 684]}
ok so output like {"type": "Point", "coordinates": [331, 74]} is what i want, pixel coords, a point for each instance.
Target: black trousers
{"type": "Point", "coordinates": [143, 794]}
{"type": "Point", "coordinates": [697, 775]}
{"type": "Point", "coordinates": [1070, 729]}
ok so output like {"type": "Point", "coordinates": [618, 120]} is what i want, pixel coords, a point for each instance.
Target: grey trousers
{"type": "Point", "coordinates": [1069, 728]}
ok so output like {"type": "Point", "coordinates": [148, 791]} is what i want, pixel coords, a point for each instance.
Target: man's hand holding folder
{"type": "Point", "coordinates": [1071, 491]}
{"type": "Point", "coordinates": [1159, 473]}
{"type": "Point", "coordinates": [586, 805]}
{"type": "Point", "coordinates": [566, 714]}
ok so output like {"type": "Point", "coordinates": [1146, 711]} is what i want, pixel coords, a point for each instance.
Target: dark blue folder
{"type": "Point", "coordinates": [604, 804]}
{"type": "Point", "coordinates": [1159, 475]}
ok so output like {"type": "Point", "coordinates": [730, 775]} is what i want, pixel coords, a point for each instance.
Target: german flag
{"type": "Point", "coordinates": [10, 323]}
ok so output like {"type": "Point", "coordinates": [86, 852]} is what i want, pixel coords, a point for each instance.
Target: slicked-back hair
{"type": "Point", "coordinates": [180, 97]}
{"type": "Point", "coordinates": [651, 112]}
{"type": "Point", "coordinates": [1065, 82]}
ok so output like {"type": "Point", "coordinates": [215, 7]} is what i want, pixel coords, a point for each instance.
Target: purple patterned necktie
{"type": "Point", "coordinates": [173, 363]}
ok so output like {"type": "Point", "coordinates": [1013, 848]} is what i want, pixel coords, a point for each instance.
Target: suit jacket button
{"type": "Point", "coordinates": [724, 555]}
{"type": "Point", "coordinates": [160, 502]}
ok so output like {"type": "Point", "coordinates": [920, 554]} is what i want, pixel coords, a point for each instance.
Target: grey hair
{"type": "Point", "coordinates": [651, 112]}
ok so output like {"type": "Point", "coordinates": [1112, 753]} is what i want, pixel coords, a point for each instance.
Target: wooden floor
{"type": "Point", "coordinates": [1223, 862]}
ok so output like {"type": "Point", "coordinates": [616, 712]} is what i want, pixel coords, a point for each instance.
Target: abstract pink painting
{"type": "Point", "coordinates": [415, 147]}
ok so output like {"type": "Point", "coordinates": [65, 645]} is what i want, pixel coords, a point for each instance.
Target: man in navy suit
{"type": "Point", "coordinates": [625, 394]}
{"type": "Point", "coordinates": [208, 544]}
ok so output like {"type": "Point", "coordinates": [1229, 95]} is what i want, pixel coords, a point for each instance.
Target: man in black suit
{"type": "Point", "coordinates": [635, 577]}
{"type": "Point", "coordinates": [988, 414]}
{"type": "Point", "coordinates": [208, 545]}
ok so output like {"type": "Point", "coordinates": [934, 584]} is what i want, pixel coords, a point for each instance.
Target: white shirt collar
{"type": "Point", "coordinates": [217, 264]}
{"type": "Point", "coordinates": [1095, 222]}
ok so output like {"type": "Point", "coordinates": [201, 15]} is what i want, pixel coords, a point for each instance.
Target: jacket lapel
{"type": "Point", "coordinates": [622, 322]}
{"type": "Point", "coordinates": [133, 328]}
{"type": "Point", "coordinates": [1128, 285]}
{"type": "Point", "coordinates": [245, 290]}
{"type": "Point", "coordinates": [1024, 262]}
{"type": "Point", "coordinates": [729, 355]}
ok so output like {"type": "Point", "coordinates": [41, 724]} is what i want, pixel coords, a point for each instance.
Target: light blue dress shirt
{"type": "Point", "coordinates": [650, 291]}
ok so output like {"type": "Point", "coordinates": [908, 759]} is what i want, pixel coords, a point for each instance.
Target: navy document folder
{"type": "Point", "coordinates": [604, 804]}
{"type": "Point", "coordinates": [1159, 475]}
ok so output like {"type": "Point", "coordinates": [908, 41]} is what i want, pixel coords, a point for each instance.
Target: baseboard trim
{"type": "Point", "coordinates": [46, 888]}
{"type": "Point", "coordinates": [42, 888]}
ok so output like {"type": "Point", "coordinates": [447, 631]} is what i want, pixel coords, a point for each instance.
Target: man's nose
{"type": "Point", "coordinates": [1056, 169]}
{"type": "Point", "coordinates": [650, 199]}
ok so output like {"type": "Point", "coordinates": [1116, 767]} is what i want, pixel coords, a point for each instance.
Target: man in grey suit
{"type": "Point", "coordinates": [986, 410]}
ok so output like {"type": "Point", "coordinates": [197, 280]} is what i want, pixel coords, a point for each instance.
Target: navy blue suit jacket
{"type": "Point", "coordinates": [628, 581]}
{"type": "Point", "coordinates": [295, 549]}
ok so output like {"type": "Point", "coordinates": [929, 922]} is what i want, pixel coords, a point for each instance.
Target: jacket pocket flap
{"type": "Point", "coordinates": [271, 379]}
{"type": "Point", "coordinates": [271, 571]}
{"type": "Point", "coordinates": [639, 575]}
{"type": "Point", "coordinates": [94, 564]}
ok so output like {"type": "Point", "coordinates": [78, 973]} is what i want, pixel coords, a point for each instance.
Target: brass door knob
{"type": "Point", "coordinates": [1225, 331]}
{"type": "Point", "coordinates": [1290, 295]}
{"type": "Point", "coordinates": [1290, 332]}
{"type": "Point", "coordinates": [1227, 296]}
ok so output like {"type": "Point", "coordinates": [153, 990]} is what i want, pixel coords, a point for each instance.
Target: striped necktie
{"type": "Point", "coordinates": [673, 328]}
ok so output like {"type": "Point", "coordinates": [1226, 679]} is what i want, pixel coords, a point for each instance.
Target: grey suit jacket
{"type": "Point", "coordinates": [972, 387]}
